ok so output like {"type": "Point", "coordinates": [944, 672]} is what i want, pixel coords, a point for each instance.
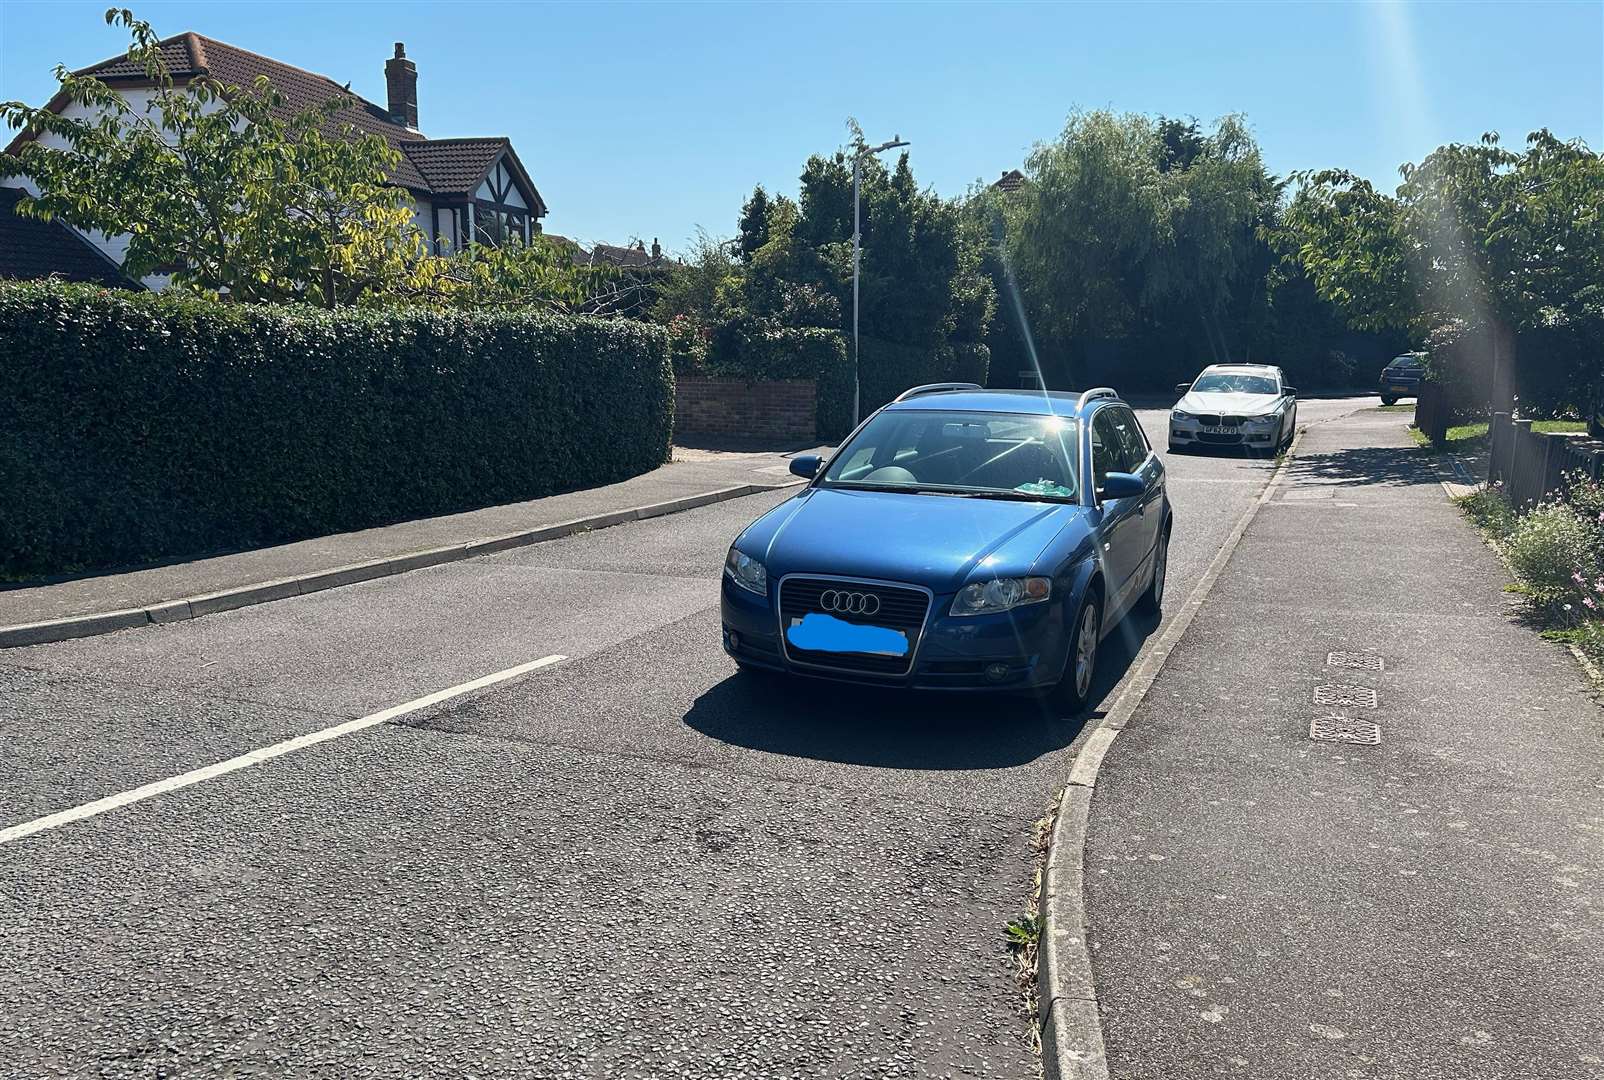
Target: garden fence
{"type": "Point", "coordinates": [1532, 464]}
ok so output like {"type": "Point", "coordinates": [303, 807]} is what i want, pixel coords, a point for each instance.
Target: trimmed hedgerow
{"type": "Point", "coordinates": [888, 369]}
{"type": "Point", "coordinates": [136, 427]}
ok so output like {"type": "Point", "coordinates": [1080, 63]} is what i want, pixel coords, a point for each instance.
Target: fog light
{"type": "Point", "coordinates": [996, 672]}
{"type": "Point", "coordinates": [734, 639]}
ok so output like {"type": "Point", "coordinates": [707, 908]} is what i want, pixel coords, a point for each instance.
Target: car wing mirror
{"type": "Point", "coordinates": [1121, 485]}
{"type": "Point", "coordinates": [1290, 391]}
{"type": "Point", "coordinates": [806, 465]}
{"type": "Point", "coordinates": [1182, 387]}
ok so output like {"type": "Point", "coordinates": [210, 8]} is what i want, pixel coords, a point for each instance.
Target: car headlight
{"type": "Point", "coordinates": [1177, 414]}
{"type": "Point", "coordinates": [1267, 418]}
{"type": "Point", "coordinates": [1000, 594]}
{"type": "Point", "coordinates": [746, 572]}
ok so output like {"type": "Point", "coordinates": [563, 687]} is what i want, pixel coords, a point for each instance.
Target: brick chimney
{"type": "Point", "coordinates": [401, 80]}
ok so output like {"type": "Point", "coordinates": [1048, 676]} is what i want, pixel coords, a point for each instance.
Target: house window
{"type": "Point", "coordinates": [499, 224]}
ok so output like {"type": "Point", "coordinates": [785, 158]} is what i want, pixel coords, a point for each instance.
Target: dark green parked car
{"type": "Point", "coordinates": [1402, 377]}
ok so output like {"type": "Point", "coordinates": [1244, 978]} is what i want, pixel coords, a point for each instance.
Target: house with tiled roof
{"type": "Point", "coordinates": [30, 248]}
{"type": "Point", "coordinates": [1010, 181]}
{"type": "Point", "coordinates": [464, 190]}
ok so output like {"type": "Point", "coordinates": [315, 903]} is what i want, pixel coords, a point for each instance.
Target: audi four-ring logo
{"type": "Point", "coordinates": [849, 603]}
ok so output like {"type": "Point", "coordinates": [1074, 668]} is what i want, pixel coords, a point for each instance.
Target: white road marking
{"type": "Point", "coordinates": [266, 753]}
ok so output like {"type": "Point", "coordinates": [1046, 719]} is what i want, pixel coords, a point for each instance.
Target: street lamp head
{"type": "Point", "coordinates": [892, 145]}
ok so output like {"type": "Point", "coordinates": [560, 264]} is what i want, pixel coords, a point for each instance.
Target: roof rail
{"type": "Point", "coordinates": [1093, 394]}
{"type": "Point", "coordinates": [936, 388]}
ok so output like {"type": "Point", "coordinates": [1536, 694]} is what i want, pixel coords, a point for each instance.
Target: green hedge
{"type": "Point", "coordinates": [742, 349]}
{"type": "Point", "coordinates": [746, 351]}
{"type": "Point", "coordinates": [887, 369]}
{"type": "Point", "coordinates": [136, 427]}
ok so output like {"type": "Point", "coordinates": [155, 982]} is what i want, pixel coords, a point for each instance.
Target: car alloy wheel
{"type": "Point", "coordinates": [1153, 599]}
{"type": "Point", "coordinates": [1084, 657]}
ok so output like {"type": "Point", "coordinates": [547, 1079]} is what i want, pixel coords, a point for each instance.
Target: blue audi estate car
{"type": "Point", "coordinates": [959, 539]}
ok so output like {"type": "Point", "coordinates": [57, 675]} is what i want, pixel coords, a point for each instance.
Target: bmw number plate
{"type": "Point", "coordinates": [1222, 430]}
{"type": "Point", "coordinates": [819, 632]}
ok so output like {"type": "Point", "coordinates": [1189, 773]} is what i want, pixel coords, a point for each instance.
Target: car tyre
{"type": "Point", "coordinates": [1151, 602]}
{"type": "Point", "coordinates": [1388, 400]}
{"type": "Point", "coordinates": [1074, 688]}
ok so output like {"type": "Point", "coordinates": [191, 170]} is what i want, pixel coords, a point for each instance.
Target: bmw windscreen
{"type": "Point", "coordinates": [1235, 384]}
{"type": "Point", "coordinates": [976, 454]}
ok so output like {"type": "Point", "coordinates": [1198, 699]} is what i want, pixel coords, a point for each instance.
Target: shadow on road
{"type": "Point", "coordinates": [899, 729]}
{"type": "Point", "coordinates": [1396, 466]}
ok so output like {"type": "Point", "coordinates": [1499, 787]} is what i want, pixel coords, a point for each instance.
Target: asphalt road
{"type": "Point", "coordinates": [627, 864]}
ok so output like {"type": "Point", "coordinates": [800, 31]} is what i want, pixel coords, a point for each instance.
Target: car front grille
{"type": "Point", "coordinates": [1233, 421]}
{"type": "Point", "coordinates": [1208, 419]}
{"type": "Point", "coordinates": [901, 608]}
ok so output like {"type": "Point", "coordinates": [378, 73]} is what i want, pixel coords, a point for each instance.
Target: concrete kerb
{"type": "Point", "coordinates": [1071, 1029]}
{"type": "Point", "coordinates": [194, 607]}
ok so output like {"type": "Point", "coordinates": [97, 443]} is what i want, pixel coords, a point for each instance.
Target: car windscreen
{"type": "Point", "coordinates": [1235, 384]}
{"type": "Point", "coordinates": [997, 455]}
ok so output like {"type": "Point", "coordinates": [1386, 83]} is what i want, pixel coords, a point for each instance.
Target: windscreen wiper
{"type": "Point", "coordinates": [1014, 496]}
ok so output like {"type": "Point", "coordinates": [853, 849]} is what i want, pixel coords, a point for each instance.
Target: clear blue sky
{"type": "Point", "coordinates": [650, 120]}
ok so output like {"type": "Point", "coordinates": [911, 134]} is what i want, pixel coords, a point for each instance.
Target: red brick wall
{"type": "Point", "coordinates": [781, 410]}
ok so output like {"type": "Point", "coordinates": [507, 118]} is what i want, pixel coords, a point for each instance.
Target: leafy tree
{"type": "Point", "coordinates": [1125, 219]}
{"type": "Point", "coordinates": [785, 283]}
{"type": "Point", "coordinates": [754, 224]}
{"type": "Point", "coordinates": [918, 285]}
{"type": "Point", "coordinates": [1183, 143]}
{"type": "Point", "coordinates": [1478, 238]}
{"type": "Point", "coordinates": [221, 186]}
{"type": "Point", "coordinates": [693, 285]}
{"type": "Point", "coordinates": [542, 274]}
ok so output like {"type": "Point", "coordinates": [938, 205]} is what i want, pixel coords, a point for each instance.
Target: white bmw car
{"type": "Point", "coordinates": [1235, 405]}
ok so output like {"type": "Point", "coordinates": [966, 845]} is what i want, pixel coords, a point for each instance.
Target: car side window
{"type": "Point", "coordinates": [1133, 443]}
{"type": "Point", "coordinates": [1108, 448]}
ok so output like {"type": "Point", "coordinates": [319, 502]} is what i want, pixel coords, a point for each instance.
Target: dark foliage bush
{"type": "Point", "coordinates": [136, 427]}
{"type": "Point", "coordinates": [746, 349]}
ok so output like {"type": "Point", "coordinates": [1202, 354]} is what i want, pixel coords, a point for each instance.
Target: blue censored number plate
{"type": "Point", "coordinates": [818, 632]}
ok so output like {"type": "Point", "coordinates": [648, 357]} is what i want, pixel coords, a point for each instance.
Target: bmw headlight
{"type": "Point", "coordinates": [1000, 594]}
{"type": "Point", "coordinates": [1177, 414]}
{"type": "Point", "coordinates": [746, 572]}
{"type": "Point", "coordinates": [1267, 418]}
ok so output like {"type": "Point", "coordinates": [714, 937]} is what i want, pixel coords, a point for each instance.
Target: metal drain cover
{"type": "Point", "coordinates": [1357, 660]}
{"type": "Point", "coordinates": [1357, 697]}
{"type": "Point", "coordinates": [1345, 729]}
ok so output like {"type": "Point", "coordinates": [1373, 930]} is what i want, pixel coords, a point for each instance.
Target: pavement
{"type": "Point", "coordinates": [690, 475]}
{"type": "Point", "coordinates": [1264, 904]}
{"type": "Point", "coordinates": [628, 863]}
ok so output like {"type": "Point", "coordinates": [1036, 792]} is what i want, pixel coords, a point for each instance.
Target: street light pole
{"type": "Point", "coordinates": [857, 172]}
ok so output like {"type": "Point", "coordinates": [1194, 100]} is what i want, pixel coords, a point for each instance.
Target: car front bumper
{"type": "Point", "coordinates": [1252, 431]}
{"type": "Point", "coordinates": [1022, 649]}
